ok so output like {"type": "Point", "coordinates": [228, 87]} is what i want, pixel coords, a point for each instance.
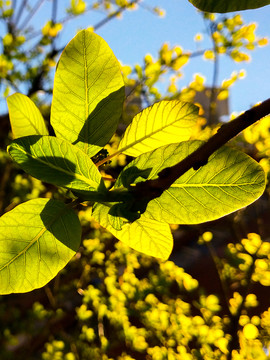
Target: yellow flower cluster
{"type": "Point", "coordinates": [51, 29]}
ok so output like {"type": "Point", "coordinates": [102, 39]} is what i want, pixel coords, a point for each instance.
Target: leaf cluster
{"type": "Point", "coordinates": [112, 302]}
{"type": "Point", "coordinates": [86, 107]}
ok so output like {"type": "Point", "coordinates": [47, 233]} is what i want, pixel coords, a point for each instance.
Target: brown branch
{"type": "Point", "coordinates": [151, 189]}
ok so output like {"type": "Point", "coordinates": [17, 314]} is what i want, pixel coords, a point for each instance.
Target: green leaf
{"type": "Point", "coordinates": [57, 162]}
{"type": "Point", "coordinates": [88, 92]}
{"type": "Point", "coordinates": [223, 6]}
{"type": "Point", "coordinates": [146, 235]}
{"type": "Point", "coordinates": [38, 238]}
{"type": "Point", "coordinates": [163, 123]}
{"type": "Point", "coordinates": [229, 181]}
{"type": "Point", "coordinates": [25, 117]}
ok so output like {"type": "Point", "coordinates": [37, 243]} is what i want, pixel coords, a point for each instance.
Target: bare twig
{"type": "Point", "coordinates": [20, 11]}
{"type": "Point", "coordinates": [212, 102]}
{"type": "Point", "coordinates": [113, 15]}
{"type": "Point", "coordinates": [234, 325]}
{"type": "Point", "coordinates": [31, 14]}
{"type": "Point", "coordinates": [54, 11]}
{"type": "Point", "coordinates": [53, 20]}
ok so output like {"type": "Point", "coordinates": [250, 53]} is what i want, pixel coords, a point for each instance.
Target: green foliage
{"type": "Point", "coordinates": [214, 190]}
{"type": "Point", "coordinates": [25, 117]}
{"type": "Point", "coordinates": [111, 302]}
{"type": "Point", "coordinates": [38, 238]}
{"type": "Point", "coordinates": [88, 92]}
{"type": "Point", "coordinates": [163, 123]}
{"type": "Point", "coordinates": [147, 235]}
{"type": "Point", "coordinates": [85, 116]}
{"type": "Point", "coordinates": [56, 161]}
{"type": "Point", "coordinates": [224, 6]}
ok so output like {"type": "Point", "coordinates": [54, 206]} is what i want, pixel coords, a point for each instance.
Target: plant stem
{"type": "Point", "coordinates": [234, 326]}
{"type": "Point", "coordinates": [223, 283]}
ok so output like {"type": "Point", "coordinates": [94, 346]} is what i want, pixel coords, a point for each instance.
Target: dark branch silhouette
{"type": "Point", "coordinates": [151, 189]}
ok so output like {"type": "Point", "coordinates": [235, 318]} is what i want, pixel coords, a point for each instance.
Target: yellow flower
{"type": "Point", "coordinates": [250, 331]}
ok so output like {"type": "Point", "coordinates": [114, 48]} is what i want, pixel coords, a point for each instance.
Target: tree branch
{"type": "Point", "coordinates": [111, 16]}
{"type": "Point", "coordinates": [31, 14]}
{"type": "Point", "coordinates": [20, 11]}
{"type": "Point", "coordinates": [150, 189]}
{"type": "Point", "coordinates": [214, 90]}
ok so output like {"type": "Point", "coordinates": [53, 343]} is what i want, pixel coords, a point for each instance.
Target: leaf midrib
{"type": "Point", "coordinates": [75, 175]}
{"type": "Point", "coordinates": [86, 89]}
{"type": "Point", "coordinates": [35, 239]}
{"type": "Point", "coordinates": [28, 117]}
{"type": "Point", "coordinates": [140, 140]}
{"type": "Point", "coordinates": [212, 185]}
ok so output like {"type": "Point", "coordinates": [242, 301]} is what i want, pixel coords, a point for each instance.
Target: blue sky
{"type": "Point", "coordinates": [140, 32]}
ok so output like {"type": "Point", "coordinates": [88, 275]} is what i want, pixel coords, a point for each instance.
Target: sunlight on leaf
{"type": "Point", "coordinates": [230, 181]}
{"type": "Point", "coordinates": [145, 235]}
{"type": "Point", "coordinates": [38, 238]}
{"type": "Point", "coordinates": [221, 6]}
{"type": "Point", "coordinates": [88, 92]}
{"type": "Point", "coordinates": [56, 161]}
{"type": "Point", "coordinates": [25, 117]}
{"type": "Point", "coordinates": [163, 123]}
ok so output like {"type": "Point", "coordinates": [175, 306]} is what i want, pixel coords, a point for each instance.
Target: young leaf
{"type": "Point", "coordinates": [88, 92]}
{"type": "Point", "coordinates": [145, 235]}
{"type": "Point", "coordinates": [221, 6]}
{"type": "Point", "coordinates": [163, 123]}
{"type": "Point", "coordinates": [56, 161]}
{"type": "Point", "coordinates": [38, 238]}
{"type": "Point", "coordinates": [230, 181]}
{"type": "Point", "coordinates": [25, 117]}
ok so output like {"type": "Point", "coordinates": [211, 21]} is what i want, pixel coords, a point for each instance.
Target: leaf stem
{"type": "Point", "coordinates": [103, 161]}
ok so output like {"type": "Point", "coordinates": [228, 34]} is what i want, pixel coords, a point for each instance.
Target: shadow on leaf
{"type": "Point", "coordinates": [101, 124]}
{"type": "Point", "coordinates": [62, 222]}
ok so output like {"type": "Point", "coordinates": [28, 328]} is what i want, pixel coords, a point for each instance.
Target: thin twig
{"type": "Point", "coordinates": [14, 4]}
{"type": "Point", "coordinates": [53, 20]}
{"type": "Point", "coordinates": [31, 14]}
{"type": "Point", "coordinates": [54, 11]}
{"type": "Point", "coordinates": [234, 325]}
{"type": "Point", "coordinates": [212, 102]}
{"type": "Point", "coordinates": [218, 266]}
{"type": "Point", "coordinates": [109, 17]}
{"type": "Point", "coordinates": [20, 11]}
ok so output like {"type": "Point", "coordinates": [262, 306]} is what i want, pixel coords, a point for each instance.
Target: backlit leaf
{"type": "Point", "coordinates": [163, 123]}
{"type": "Point", "coordinates": [88, 92]}
{"type": "Point", "coordinates": [145, 235]}
{"type": "Point", "coordinates": [230, 181]}
{"type": "Point", "coordinates": [56, 161]}
{"type": "Point", "coordinates": [25, 117]}
{"type": "Point", "coordinates": [222, 6]}
{"type": "Point", "coordinates": [38, 238]}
